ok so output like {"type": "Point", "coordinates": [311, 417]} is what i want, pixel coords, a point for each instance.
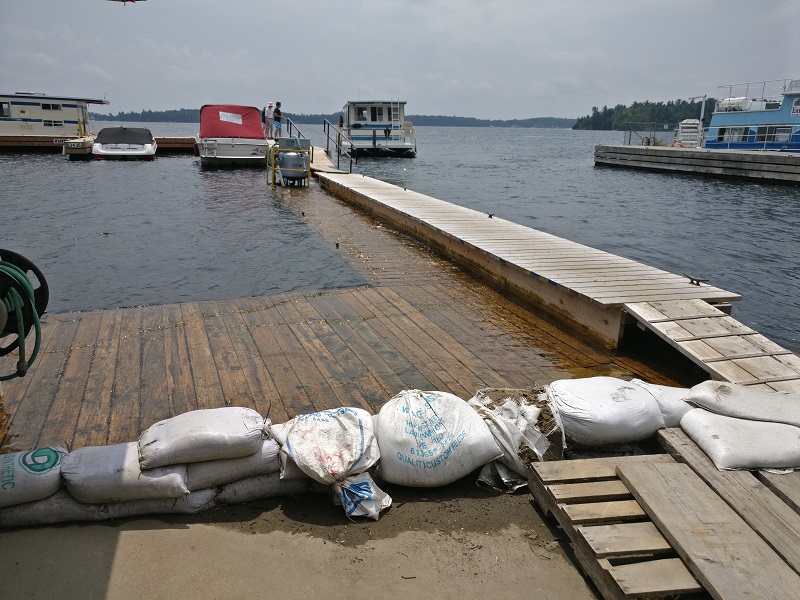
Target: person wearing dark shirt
{"type": "Point", "coordinates": [278, 116]}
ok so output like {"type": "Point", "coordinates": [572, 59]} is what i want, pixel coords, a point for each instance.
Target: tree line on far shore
{"type": "Point", "coordinates": [668, 113]}
{"type": "Point", "coordinates": [615, 118]}
{"type": "Point", "coordinates": [192, 115]}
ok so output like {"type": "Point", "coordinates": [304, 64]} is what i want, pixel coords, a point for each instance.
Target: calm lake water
{"type": "Point", "coordinates": [112, 234]}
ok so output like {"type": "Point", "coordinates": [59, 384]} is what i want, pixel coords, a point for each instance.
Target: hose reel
{"type": "Point", "coordinates": [23, 299]}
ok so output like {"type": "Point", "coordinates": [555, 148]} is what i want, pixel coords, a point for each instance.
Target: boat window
{"type": "Point", "coordinates": [783, 134]}
{"type": "Point", "coordinates": [774, 133]}
{"type": "Point", "coordinates": [5, 109]}
{"type": "Point", "coordinates": [796, 108]}
{"type": "Point", "coordinates": [361, 114]}
{"type": "Point", "coordinates": [51, 107]}
{"type": "Point", "coordinates": [377, 113]}
{"type": "Point", "coordinates": [733, 134]}
{"type": "Point", "coordinates": [47, 123]}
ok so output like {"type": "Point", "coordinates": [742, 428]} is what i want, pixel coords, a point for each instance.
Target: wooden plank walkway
{"type": "Point", "coordinates": [616, 545]}
{"type": "Point", "coordinates": [721, 345]}
{"type": "Point", "coordinates": [104, 376]}
{"type": "Point", "coordinates": [584, 286]}
{"type": "Point", "coordinates": [776, 167]}
{"type": "Point", "coordinates": [730, 559]}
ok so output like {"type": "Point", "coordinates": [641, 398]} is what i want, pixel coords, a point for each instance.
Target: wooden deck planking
{"type": "Point", "coordinates": [545, 255]}
{"type": "Point", "coordinates": [720, 549]}
{"type": "Point", "coordinates": [767, 513]}
{"type": "Point", "coordinates": [96, 405]}
{"type": "Point", "coordinates": [423, 323]}
{"type": "Point", "coordinates": [123, 425]}
{"type": "Point", "coordinates": [724, 347]}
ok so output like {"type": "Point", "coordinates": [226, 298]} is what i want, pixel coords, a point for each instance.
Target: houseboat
{"type": "Point", "coordinates": [231, 136]}
{"type": "Point", "coordinates": [39, 122]}
{"type": "Point", "coordinates": [377, 128]}
{"type": "Point", "coordinates": [763, 115]}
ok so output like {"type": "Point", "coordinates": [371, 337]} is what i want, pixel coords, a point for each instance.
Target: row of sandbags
{"type": "Point", "coordinates": [736, 426]}
{"type": "Point", "coordinates": [203, 458]}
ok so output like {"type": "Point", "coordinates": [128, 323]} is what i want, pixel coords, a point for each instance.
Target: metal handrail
{"type": "Point", "coordinates": [335, 134]}
{"type": "Point", "coordinates": [292, 130]}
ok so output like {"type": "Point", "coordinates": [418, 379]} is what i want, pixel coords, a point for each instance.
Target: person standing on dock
{"type": "Point", "coordinates": [269, 126]}
{"type": "Point", "coordinates": [277, 115]}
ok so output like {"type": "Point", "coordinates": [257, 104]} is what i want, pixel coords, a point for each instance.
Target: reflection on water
{"type": "Point", "coordinates": [118, 234]}
{"type": "Point", "coordinates": [112, 234]}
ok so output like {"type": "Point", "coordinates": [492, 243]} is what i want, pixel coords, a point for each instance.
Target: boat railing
{"type": "Point", "coordinates": [342, 143]}
{"type": "Point", "coordinates": [754, 91]}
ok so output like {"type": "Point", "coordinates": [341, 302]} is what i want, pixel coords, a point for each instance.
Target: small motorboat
{"type": "Point", "coordinates": [124, 143]}
{"type": "Point", "coordinates": [231, 136]}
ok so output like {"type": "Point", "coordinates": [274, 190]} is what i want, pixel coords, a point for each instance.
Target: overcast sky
{"type": "Point", "coordinates": [498, 59]}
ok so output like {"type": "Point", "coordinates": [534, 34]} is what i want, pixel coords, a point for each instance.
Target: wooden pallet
{"type": "Point", "coordinates": [616, 545]}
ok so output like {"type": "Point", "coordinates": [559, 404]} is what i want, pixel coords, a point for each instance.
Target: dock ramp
{"type": "Point", "coordinates": [727, 349]}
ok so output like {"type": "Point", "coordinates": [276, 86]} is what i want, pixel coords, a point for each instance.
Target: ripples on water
{"type": "Point", "coordinates": [112, 234]}
{"type": "Point", "coordinates": [119, 234]}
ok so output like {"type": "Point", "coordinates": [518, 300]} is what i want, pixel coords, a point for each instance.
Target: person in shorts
{"type": "Point", "coordinates": [277, 115]}
{"type": "Point", "coordinates": [269, 125]}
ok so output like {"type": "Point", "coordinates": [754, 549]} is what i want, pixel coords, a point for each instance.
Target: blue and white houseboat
{"type": "Point", "coordinates": [757, 116]}
{"type": "Point", "coordinates": [377, 128]}
{"type": "Point", "coordinates": [29, 120]}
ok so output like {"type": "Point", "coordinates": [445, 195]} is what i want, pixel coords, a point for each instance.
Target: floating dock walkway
{"type": "Point", "coordinates": [765, 166]}
{"type": "Point", "coordinates": [593, 291]}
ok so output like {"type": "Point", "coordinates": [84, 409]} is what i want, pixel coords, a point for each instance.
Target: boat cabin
{"type": "Point", "coordinates": [60, 117]}
{"type": "Point", "coordinates": [378, 128]}
{"type": "Point", "coordinates": [757, 116]}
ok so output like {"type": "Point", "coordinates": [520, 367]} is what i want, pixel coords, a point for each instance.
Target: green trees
{"type": "Point", "coordinates": [669, 113]}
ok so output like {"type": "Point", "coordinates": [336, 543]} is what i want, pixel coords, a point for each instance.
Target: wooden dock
{"type": "Point", "coordinates": [583, 287]}
{"type": "Point", "coordinates": [721, 345]}
{"type": "Point", "coordinates": [44, 144]}
{"type": "Point", "coordinates": [764, 166]}
{"type": "Point", "coordinates": [104, 376]}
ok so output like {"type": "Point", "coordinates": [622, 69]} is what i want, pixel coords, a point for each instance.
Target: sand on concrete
{"type": "Point", "coordinates": [458, 541]}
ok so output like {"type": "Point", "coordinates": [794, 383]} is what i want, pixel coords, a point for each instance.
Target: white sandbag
{"type": "Point", "coordinates": [213, 473]}
{"type": "Point", "coordinates": [99, 474]}
{"type": "Point", "coordinates": [361, 497]}
{"type": "Point", "coordinates": [514, 427]}
{"type": "Point", "coordinates": [198, 435]}
{"type": "Point", "coordinates": [744, 402]}
{"type": "Point", "coordinates": [189, 504]}
{"type": "Point", "coordinates": [262, 486]}
{"type": "Point", "coordinates": [289, 469]}
{"type": "Point", "coordinates": [428, 439]}
{"type": "Point", "coordinates": [332, 444]}
{"type": "Point", "coordinates": [594, 411]}
{"type": "Point", "coordinates": [30, 476]}
{"type": "Point", "coordinates": [60, 507]}
{"type": "Point", "coordinates": [733, 443]}
{"type": "Point", "coordinates": [671, 401]}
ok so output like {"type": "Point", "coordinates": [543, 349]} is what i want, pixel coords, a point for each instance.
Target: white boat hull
{"type": "Point", "coordinates": [124, 151]}
{"type": "Point", "coordinates": [231, 152]}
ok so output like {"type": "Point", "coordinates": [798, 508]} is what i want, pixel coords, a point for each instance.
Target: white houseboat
{"type": "Point", "coordinates": [764, 115]}
{"type": "Point", "coordinates": [377, 128]}
{"type": "Point", "coordinates": [33, 121]}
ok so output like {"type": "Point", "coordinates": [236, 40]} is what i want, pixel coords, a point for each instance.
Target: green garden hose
{"type": "Point", "coordinates": [15, 303]}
